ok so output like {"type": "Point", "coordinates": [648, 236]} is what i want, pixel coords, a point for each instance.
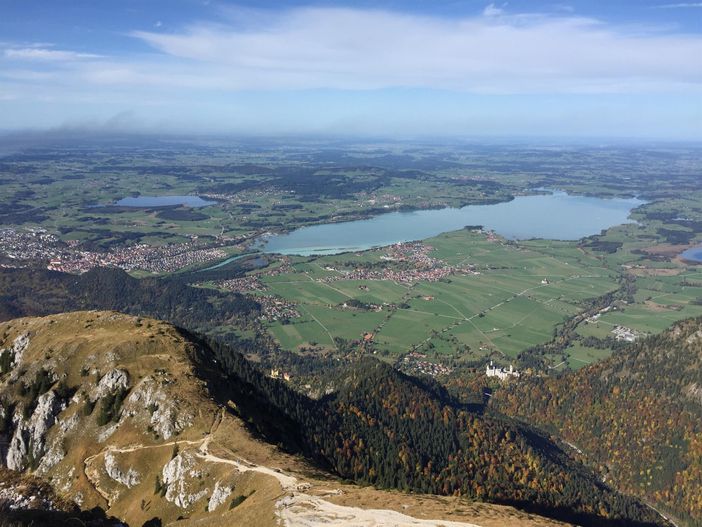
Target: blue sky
{"type": "Point", "coordinates": [618, 68]}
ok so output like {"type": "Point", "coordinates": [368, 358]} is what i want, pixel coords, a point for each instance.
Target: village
{"type": "Point", "coordinates": [416, 363]}
{"type": "Point", "coordinates": [404, 263]}
{"type": "Point", "coordinates": [621, 333]}
{"type": "Point", "coordinates": [30, 244]}
{"type": "Point", "coordinates": [39, 245]}
{"type": "Point", "coordinates": [245, 284]}
{"type": "Point", "coordinates": [277, 308]}
{"type": "Point", "coordinates": [163, 259]}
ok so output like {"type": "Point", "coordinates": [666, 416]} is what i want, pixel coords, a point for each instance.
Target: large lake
{"type": "Point", "coordinates": [557, 216]}
{"type": "Point", "coordinates": [164, 201]}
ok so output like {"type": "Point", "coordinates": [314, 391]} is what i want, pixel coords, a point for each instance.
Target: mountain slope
{"type": "Point", "coordinates": [27, 500]}
{"type": "Point", "coordinates": [39, 292]}
{"type": "Point", "coordinates": [111, 411]}
{"type": "Point", "coordinates": [392, 431]}
{"type": "Point", "coordinates": [638, 415]}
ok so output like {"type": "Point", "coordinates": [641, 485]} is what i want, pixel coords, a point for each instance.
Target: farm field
{"type": "Point", "coordinates": [500, 299]}
{"type": "Point", "coordinates": [457, 298]}
{"type": "Point", "coordinates": [468, 296]}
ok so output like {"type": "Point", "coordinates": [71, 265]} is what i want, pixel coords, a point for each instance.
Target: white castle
{"type": "Point", "coordinates": [493, 371]}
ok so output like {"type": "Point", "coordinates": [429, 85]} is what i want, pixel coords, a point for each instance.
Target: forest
{"type": "Point", "coordinates": [386, 429]}
{"type": "Point", "coordinates": [389, 430]}
{"type": "Point", "coordinates": [36, 292]}
{"type": "Point", "coordinates": [637, 416]}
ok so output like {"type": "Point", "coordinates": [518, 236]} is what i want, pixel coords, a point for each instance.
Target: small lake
{"type": "Point", "coordinates": [694, 254]}
{"type": "Point", "coordinates": [164, 201]}
{"type": "Point", "coordinates": [556, 216]}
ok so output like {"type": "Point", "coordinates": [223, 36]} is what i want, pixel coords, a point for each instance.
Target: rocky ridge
{"type": "Point", "coordinates": [108, 409]}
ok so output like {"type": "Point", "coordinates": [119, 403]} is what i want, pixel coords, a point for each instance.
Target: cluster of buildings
{"type": "Point", "coordinates": [621, 333]}
{"type": "Point", "coordinates": [403, 276]}
{"type": "Point", "coordinates": [416, 363]}
{"type": "Point", "coordinates": [596, 317]}
{"type": "Point", "coordinates": [272, 307]}
{"type": "Point", "coordinates": [29, 244]}
{"type": "Point", "coordinates": [156, 259]}
{"type": "Point", "coordinates": [501, 373]}
{"type": "Point", "coordinates": [392, 201]}
{"type": "Point", "coordinates": [277, 308]}
{"type": "Point", "coordinates": [283, 267]}
{"type": "Point", "coordinates": [40, 245]}
{"type": "Point", "coordinates": [625, 334]}
{"type": "Point", "coordinates": [413, 265]}
{"type": "Point", "coordinates": [416, 253]}
{"type": "Point", "coordinates": [374, 200]}
{"type": "Point", "coordinates": [277, 374]}
{"type": "Point", "coordinates": [245, 284]}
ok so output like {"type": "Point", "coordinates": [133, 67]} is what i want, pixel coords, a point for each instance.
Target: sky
{"type": "Point", "coordinates": [459, 68]}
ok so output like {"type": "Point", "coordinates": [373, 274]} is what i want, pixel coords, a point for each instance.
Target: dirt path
{"type": "Point", "coordinates": [204, 442]}
{"type": "Point", "coordinates": [287, 483]}
{"type": "Point", "coordinates": [331, 337]}
{"type": "Point", "coordinates": [299, 509]}
{"type": "Point", "coordinates": [296, 507]}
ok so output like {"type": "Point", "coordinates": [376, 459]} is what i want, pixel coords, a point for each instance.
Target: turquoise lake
{"type": "Point", "coordinates": [164, 201]}
{"type": "Point", "coordinates": [557, 216]}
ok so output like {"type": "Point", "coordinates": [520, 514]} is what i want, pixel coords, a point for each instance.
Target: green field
{"type": "Point", "coordinates": [516, 296]}
{"type": "Point", "coordinates": [513, 300]}
{"type": "Point", "coordinates": [522, 296]}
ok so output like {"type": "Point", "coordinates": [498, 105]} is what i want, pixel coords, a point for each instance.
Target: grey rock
{"type": "Point", "coordinates": [30, 435]}
{"type": "Point", "coordinates": [111, 382]}
{"type": "Point", "coordinates": [129, 479]}
{"type": "Point", "coordinates": [168, 418]}
{"type": "Point", "coordinates": [175, 476]}
{"type": "Point", "coordinates": [219, 496]}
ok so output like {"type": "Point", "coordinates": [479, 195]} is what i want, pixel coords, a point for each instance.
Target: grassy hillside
{"type": "Point", "coordinates": [637, 415]}
{"type": "Point", "coordinates": [110, 410]}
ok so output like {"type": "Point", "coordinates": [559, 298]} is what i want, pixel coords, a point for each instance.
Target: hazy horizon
{"type": "Point", "coordinates": [88, 133]}
{"type": "Point", "coordinates": [413, 69]}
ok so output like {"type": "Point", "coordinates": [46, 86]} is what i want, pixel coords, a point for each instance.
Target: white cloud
{"type": "Point", "coordinates": [338, 48]}
{"type": "Point", "coordinates": [492, 10]}
{"type": "Point", "coordinates": [679, 6]}
{"type": "Point", "coordinates": [360, 49]}
{"type": "Point", "coordinates": [46, 54]}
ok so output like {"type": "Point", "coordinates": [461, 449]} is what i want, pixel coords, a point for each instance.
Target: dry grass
{"type": "Point", "coordinates": [80, 347]}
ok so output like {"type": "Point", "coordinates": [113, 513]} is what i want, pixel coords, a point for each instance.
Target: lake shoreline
{"type": "Point", "coordinates": [522, 217]}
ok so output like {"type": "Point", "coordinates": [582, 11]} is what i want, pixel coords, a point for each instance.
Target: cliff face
{"type": "Point", "coordinates": [108, 410]}
{"type": "Point", "coordinates": [28, 500]}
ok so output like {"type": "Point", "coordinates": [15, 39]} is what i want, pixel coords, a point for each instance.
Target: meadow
{"type": "Point", "coordinates": [513, 298]}
{"type": "Point", "coordinates": [500, 300]}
